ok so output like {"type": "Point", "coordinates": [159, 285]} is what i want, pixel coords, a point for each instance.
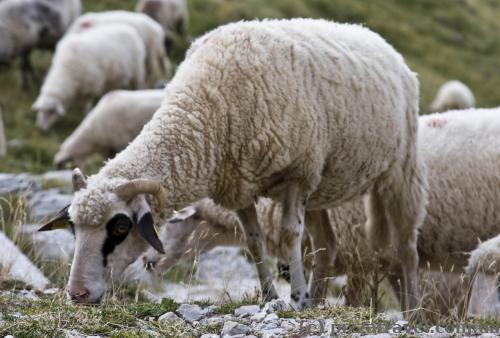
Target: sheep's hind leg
{"type": "Point", "coordinates": [324, 251]}
{"type": "Point", "coordinates": [292, 231]}
{"type": "Point", "coordinates": [256, 246]}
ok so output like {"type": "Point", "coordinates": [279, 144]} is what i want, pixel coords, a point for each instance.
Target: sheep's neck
{"type": "Point", "coordinates": [177, 147]}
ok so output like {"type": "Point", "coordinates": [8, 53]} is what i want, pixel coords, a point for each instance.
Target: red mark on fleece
{"type": "Point", "coordinates": [437, 123]}
{"type": "Point", "coordinates": [85, 24]}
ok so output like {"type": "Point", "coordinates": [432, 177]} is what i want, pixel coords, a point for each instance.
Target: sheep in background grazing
{"type": "Point", "coordinates": [453, 95]}
{"type": "Point", "coordinates": [283, 125]}
{"type": "Point", "coordinates": [29, 24]}
{"type": "Point", "coordinates": [173, 15]}
{"type": "Point", "coordinates": [88, 65]}
{"type": "Point", "coordinates": [156, 41]}
{"type": "Point", "coordinates": [3, 138]}
{"type": "Point", "coordinates": [115, 121]}
{"type": "Point", "coordinates": [460, 151]}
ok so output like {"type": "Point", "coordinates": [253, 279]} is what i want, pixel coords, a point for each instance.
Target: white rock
{"type": "Point", "coordinates": [276, 305]}
{"type": "Point", "coordinates": [191, 312]}
{"type": "Point", "coordinates": [169, 317]}
{"type": "Point", "coordinates": [437, 329]}
{"type": "Point", "coordinates": [19, 267]}
{"type": "Point", "coordinates": [29, 294]}
{"type": "Point", "coordinates": [258, 317]}
{"type": "Point", "coordinates": [380, 335]}
{"type": "Point", "coordinates": [277, 332]}
{"type": "Point", "coordinates": [272, 317]}
{"type": "Point", "coordinates": [210, 335]}
{"type": "Point", "coordinates": [233, 329]}
{"type": "Point", "coordinates": [246, 311]}
{"type": "Point", "coordinates": [9, 336]}
{"type": "Point", "coordinates": [50, 291]}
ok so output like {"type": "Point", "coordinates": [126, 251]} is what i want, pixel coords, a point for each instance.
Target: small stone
{"type": "Point", "coordinates": [210, 335]}
{"type": "Point", "coordinates": [258, 317]}
{"type": "Point", "coordinates": [380, 335]}
{"type": "Point", "coordinates": [9, 336]}
{"type": "Point", "coordinates": [191, 312]}
{"type": "Point", "coordinates": [17, 315]}
{"type": "Point", "coordinates": [272, 317]}
{"type": "Point", "coordinates": [250, 336]}
{"type": "Point", "coordinates": [210, 309]}
{"type": "Point", "coordinates": [276, 305]}
{"type": "Point", "coordinates": [169, 317]}
{"type": "Point", "coordinates": [50, 291]}
{"type": "Point", "coordinates": [246, 311]}
{"type": "Point", "coordinates": [277, 332]}
{"type": "Point", "coordinates": [233, 328]}
{"type": "Point", "coordinates": [437, 329]}
{"type": "Point", "coordinates": [212, 321]}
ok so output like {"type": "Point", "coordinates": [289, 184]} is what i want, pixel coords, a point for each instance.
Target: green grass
{"type": "Point", "coordinates": [441, 40]}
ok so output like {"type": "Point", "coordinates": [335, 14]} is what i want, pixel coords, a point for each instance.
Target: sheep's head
{"type": "Point", "coordinates": [113, 224]}
{"type": "Point", "coordinates": [48, 111]}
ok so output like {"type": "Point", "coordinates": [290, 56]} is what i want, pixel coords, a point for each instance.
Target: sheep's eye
{"type": "Point", "coordinates": [119, 225]}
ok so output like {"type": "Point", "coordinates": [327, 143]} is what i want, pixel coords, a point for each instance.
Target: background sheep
{"type": "Point", "coordinates": [173, 15]}
{"type": "Point", "coordinates": [453, 95]}
{"type": "Point", "coordinates": [254, 142]}
{"type": "Point", "coordinates": [87, 65]}
{"type": "Point", "coordinates": [155, 39]}
{"type": "Point", "coordinates": [111, 125]}
{"type": "Point", "coordinates": [29, 24]}
{"type": "Point", "coordinates": [460, 150]}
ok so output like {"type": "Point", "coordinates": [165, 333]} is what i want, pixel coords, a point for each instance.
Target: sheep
{"type": "Point", "coordinates": [282, 125]}
{"type": "Point", "coordinates": [29, 24]}
{"type": "Point", "coordinates": [461, 155]}
{"type": "Point", "coordinates": [3, 139]}
{"type": "Point", "coordinates": [86, 66]}
{"type": "Point", "coordinates": [453, 95]}
{"type": "Point", "coordinates": [115, 121]}
{"type": "Point", "coordinates": [155, 39]}
{"type": "Point", "coordinates": [173, 15]}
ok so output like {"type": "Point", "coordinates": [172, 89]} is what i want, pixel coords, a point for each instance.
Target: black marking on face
{"type": "Point", "coordinates": [72, 227]}
{"type": "Point", "coordinates": [117, 230]}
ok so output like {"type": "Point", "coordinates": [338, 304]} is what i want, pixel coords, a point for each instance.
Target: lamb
{"type": "Point", "coordinates": [283, 125]}
{"type": "Point", "coordinates": [453, 95]}
{"type": "Point", "coordinates": [29, 24]}
{"type": "Point", "coordinates": [460, 151]}
{"type": "Point", "coordinates": [173, 15]}
{"type": "Point", "coordinates": [155, 39]}
{"type": "Point", "coordinates": [86, 66]}
{"type": "Point", "coordinates": [115, 121]}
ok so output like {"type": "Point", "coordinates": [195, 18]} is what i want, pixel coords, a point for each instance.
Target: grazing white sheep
{"type": "Point", "coordinates": [461, 151]}
{"type": "Point", "coordinates": [173, 15]}
{"type": "Point", "coordinates": [29, 24]}
{"type": "Point", "coordinates": [86, 66]}
{"type": "Point", "coordinates": [453, 95]}
{"type": "Point", "coordinates": [283, 125]}
{"type": "Point", "coordinates": [155, 39]}
{"type": "Point", "coordinates": [111, 125]}
{"type": "Point", "coordinates": [3, 139]}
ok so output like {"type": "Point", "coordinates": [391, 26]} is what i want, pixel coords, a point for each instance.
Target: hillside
{"type": "Point", "coordinates": [441, 40]}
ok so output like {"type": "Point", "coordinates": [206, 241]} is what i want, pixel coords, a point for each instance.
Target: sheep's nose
{"type": "Point", "coordinates": [77, 295]}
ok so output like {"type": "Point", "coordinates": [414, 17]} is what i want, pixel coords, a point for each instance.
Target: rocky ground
{"type": "Point", "coordinates": [213, 298]}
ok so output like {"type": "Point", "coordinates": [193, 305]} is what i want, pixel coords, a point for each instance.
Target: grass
{"type": "Point", "coordinates": [441, 40]}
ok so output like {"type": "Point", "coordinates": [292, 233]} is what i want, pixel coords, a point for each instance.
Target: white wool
{"type": "Point", "coordinates": [157, 63]}
{"type": "Point", "coordinates": [453, 95]}
{"type": "Point", "coordinates": [89, 64]}
{"type": "Point", "coordinates": [486, 257]}
{"type": "Point", "coordinates": [173, 15]}
{"type": "Point", "coordinates": [109, 127]}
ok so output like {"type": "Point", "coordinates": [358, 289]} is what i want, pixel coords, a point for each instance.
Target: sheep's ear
{"type": "Point", "coordinates": [146, 225]}
{"type": "Point", "coordinates": [60, 221]}
{"type": "Point", "coordinates": [183, 214]}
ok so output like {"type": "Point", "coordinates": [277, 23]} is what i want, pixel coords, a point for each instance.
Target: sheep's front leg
{"type": "Point", "coordinates": [292, 230]}
{"type": "Point", "coordinates": [257, 248]}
